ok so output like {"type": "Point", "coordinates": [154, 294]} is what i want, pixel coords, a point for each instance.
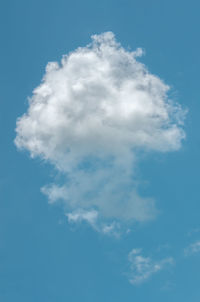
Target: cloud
{"type": "Point", "coordinates": [80, 215]}
{"type": "Point", "coordinates": [91, 117]}
{"type": "Point", "coordinates": [193, 248]}
{"type": "Point", "coordinates": [92, 218]}
{"type": "Point", "coordinates": [142, 268]}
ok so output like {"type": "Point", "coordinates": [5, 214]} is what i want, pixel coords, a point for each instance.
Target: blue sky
{"type": "Point", "coordinates": [43, 255]}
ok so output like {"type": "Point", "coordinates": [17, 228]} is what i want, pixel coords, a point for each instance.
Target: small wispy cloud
{"type": "Point", "coordinates": [89, 117]}
{"type": "Point", "coordinates": [193, 248]}
{"type": "Point", "coordinates": [81, 215]}
{"type": "Point", "coordinates": [142, 268]}
{"type": "Point", "coordinates": [92, 218]}
{"type": "Point", "coordinates": [193, 231]}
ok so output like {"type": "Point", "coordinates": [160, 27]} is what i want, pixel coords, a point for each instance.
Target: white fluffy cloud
{"type": "Point", "coordinates": [90, 117]}
{"type": "Point", "coordinates": [142, 268]}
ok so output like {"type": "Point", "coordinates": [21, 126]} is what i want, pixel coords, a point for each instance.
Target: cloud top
{"type": "Point", "coordinates": [100, 99]}
{"type": "Point", "coordinates": [90, 116]}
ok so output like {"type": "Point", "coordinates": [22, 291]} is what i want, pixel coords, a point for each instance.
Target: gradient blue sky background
{"type": "Point", "coordinates": [42, 258]}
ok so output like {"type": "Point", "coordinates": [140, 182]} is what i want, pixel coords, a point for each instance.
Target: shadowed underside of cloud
{"type": "Point", "coordinates": [89, 117]}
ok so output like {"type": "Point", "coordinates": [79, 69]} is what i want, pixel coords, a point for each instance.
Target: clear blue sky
{"type": "Point", "coordinates": [42, 256]}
